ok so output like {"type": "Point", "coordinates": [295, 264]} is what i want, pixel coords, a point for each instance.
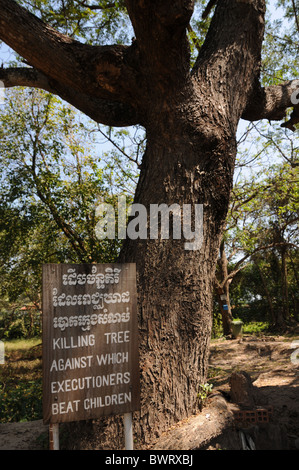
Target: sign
{"type": "Point", "coordinates": [90, 341]}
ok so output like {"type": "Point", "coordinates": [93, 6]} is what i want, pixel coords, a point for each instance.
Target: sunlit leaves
{"type": "Point", "coordinates": [95, 22]}
{"type": "Point", "coordinates": [281, 45]}
{"type": "Point", "coordinates": [264, 210]}
{"type": "Point", "coordinates": [52, 177]}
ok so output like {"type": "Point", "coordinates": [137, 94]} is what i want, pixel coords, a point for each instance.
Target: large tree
{"type": "Point", "coordinates": [262, 221]}
{"type": "Point", "coordinates": [190, 114]}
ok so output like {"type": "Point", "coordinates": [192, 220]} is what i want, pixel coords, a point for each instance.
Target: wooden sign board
{"type": "Point", "coordinates": [90, 341]}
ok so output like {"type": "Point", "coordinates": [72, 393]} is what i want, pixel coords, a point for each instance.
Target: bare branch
{"type": "Point", "coordinates": [97, 7]}
{"type": "Point", "coordinates": [110, 113]}
{"type": "Point", "coordinates": [160, 29]}
{"type": "Point", "coordinates": [119, 148]}
{"type": "Point", "coordinates": [239, 265]}
{"type": "Point", "coordinates": [296, 15]}
{"type": "Point", "coordinates": [208, 9]}
{"type": "Point", "coordinates": [103, 71]}
{"type": "Point", "coordinates": [272, 103]}
{"type": "Point", "coordinates": [231, 56]}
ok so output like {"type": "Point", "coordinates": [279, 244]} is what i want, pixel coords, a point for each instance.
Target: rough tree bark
{"type": "Point", "coordinates": [191, 118]}
{"type": "Point", "coordinates": [284, 284]}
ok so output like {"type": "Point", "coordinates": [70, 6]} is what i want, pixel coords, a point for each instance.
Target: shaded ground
{"type": "Point", "coordinates": [274, 375]}
{"type": "Point", "coordinates": [275, 378]}
{"type": "Point", "coordinates": [23, 436]}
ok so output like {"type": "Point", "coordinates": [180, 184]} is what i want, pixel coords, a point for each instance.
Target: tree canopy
{"type": "Point", "coordinates": [75, 61]}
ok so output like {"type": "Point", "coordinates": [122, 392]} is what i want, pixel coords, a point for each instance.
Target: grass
{"type": "Point", "coordinates": [21, 376]}
{"type": "Point", "coordinates": [255, 328]}
{"type": "Point", "coordinates": [20, 381]}
{"type": "Point", "coordinates": [21, 344]}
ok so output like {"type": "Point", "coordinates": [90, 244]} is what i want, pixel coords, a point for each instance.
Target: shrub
{"type": "Point", "coordinates": [16, 329]}
{"type": "Point", "coordinates": [22, 402]}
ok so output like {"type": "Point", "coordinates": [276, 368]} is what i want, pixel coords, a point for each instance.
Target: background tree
{"type": "Point", "coordinates": [52, 180]}
{"type": "Point", "coordinates": [259, 145]}
{"type": "Point", "coordinates": [190, 110]}
{"type": "Point", "coordinates": [262, 223]}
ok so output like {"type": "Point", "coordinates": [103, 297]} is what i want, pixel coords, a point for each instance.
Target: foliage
{"type": "Point", "coordinates": [52, 180]}
{"type": "Point", "coordinates": [16, 329]}
{"type": "Point", "coordinates": [257, 291]}
{"type": "Point", "coordinates": [19, 319]}
{"type": "Point", "coordinates": [20, 382]}
{"type": "Point", "coordinates": [97, 22]}
{"type": "Point", "coordinates": [217, 328]}
{"type": "Point", "coordinates": [23, 402]}
{"type": "Point", "coordinates": [264, 209]}
{"type": "Point", "coordinates": [255, 328]}
{"type": "Point", "coordinates": [204, 391]}
{"type": "Point", "coordinates": [261, 241]}
{"type": "Point", "coordinates": [280, 50]}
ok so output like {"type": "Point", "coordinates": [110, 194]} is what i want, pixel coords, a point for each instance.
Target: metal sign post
{"type": "Point", "coordinates": [128, 427]}
{"type": "Point", "coordinates": [54, 436]}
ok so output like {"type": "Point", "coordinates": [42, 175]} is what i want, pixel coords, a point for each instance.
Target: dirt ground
{"type": "Point", "coordinates": [266, 359]}
{"type": "Point", "coordinates": [273, 365]}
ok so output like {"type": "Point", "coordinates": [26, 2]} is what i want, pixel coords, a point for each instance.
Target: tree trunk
{"type": "Point", "coordinates": [175, 285]}
{"type": "Point", "coordinates": [284, 284]}
{"type": "Point", "coordinates": [267, 292]}
{"type": "Point", "coordinates": [225, 309]}
{"type": "Point", "coordinates": [223, 292]}
{"type": "Point", "coordinates": [191, 121]}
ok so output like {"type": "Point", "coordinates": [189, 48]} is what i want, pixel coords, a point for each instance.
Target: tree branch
{"type": "Point", "coordinates": [208, 9]}
{"type": "Point", "coordinates": [296, 15]}
{"type": "Point", "coordinates": [231, 55]}
{"type": "Point", "coordinates": [239, 265]}
{"type": "Point", "coordinates": [240, 43]}
{"type": "Point", "coordinates": [272, 103]}
{"type": "Point", "coordinates": [102, 71]}
{"type": "Point", "coordinates": [160, 29]}
{"type": "Point", "coordinates": [24, 76]}
{"type": "Point", "coordinates": [97, 7]}
{"type": "Point", "coordinates": [235, 53]}
{"type": "Point", "coordinates": [165, 14]}
{"type": "Point", "coordinates": [110, 113]}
